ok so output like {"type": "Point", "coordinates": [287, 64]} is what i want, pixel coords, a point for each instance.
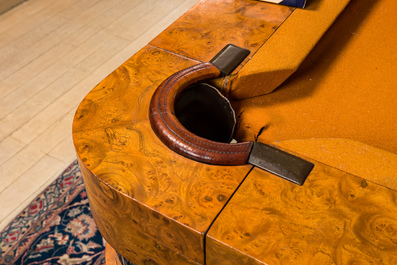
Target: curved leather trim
{"type": "Point", "coordinates": [172, 133]}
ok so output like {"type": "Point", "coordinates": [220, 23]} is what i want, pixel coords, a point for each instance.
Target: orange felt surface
{"type": "Point", "coordinates": [346, 87]}
{"type": "Point", "coordinates": [356, 158]}
{"type": "Point", "coordinates": [281, 55]}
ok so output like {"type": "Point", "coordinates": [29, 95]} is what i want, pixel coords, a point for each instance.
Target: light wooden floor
{"type": "Point", "coordinates": [52, 53]}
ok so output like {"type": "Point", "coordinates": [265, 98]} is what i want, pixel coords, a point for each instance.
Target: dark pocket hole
{"type": "Point", "coordinates": [202, 110]}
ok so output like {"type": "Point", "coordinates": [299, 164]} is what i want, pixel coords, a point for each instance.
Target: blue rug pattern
{"type": "Point", "coordinates": [56, 228]}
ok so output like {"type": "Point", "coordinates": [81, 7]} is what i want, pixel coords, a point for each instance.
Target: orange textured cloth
{"type": "Point", "coordinates": [346, 88]}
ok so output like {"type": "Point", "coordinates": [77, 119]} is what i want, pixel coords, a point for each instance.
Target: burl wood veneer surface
{"type": "Point", "coordinates": [279, 38]}
{"type": "Point", "coordinates": [210, 25]}
{"type": "Point", "coordinates": [148, 202]}
{"type": "Point", "coordinates": [155, 206]}
{"type": "Point", "coordinates": [334, 218]}
{"type": "Point", "coordinates": [134, 229]}
{"type": "Point", "coordinates": [111, 256]}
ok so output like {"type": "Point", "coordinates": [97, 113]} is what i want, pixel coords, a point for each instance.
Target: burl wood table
{"type": "Point", "coordinates": [318, 83]}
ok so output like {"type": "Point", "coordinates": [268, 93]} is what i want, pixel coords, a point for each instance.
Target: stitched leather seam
{"type": "Point", "coordinates": [164, 115]}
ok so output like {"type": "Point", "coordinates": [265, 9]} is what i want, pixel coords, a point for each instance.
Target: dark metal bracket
{"type": "Point", "coordinates": [229, 58]}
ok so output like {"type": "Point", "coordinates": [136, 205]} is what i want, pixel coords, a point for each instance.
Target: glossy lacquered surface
{"type": "Point", "coordinates": [211, 25]}
{"type": "Point", "coordinates": [127, 166]}
{"type": "Point", "coordinates": [334, 218]}
{"type": "Point", "coordinates": [155, 206]}
{"type": "Point", "coordinates": [143, 194]}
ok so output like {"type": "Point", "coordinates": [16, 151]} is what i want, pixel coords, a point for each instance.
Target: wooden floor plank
{"type": "Point", "coordinates": [36, 69]}
{"type": "Point", "coordinates": [28, 185]}
{"type": "Point", "coordinates": [18, 165]}
{"type": "Point", "coordinates": [46, 59]}
{"type": "Point", "coordinates": [69, 82]}
{"type": "Point", "coordinates": [8, 148]}
{"type": "Point", "coordinates": [92, 57]}
{"type": "Point", "coordinates": [38, 100]}
{"type": "Point", "coordinates": [54, 53]}
{"type": "Point", "coordinates": [21, 13]}
{"type": "Point", "coordinates": [82, 6]}
{"type": "Point", "coordinates": [55, 31]}
{"type": "Point", "coordinates": [25, 156]}
{"type": "Point", "coordinates": [156, 14]}
{"type": "Point", "coordinates": [38, 74]}
{"type": "Point", "coordinates": [35, 21]}
{"type": "Point", "coordinates": [102, 12]}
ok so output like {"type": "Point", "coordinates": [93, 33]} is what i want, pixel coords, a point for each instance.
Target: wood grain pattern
{"type": "Point", "coordinates": [155, 206]}
{"type": "Point", "coordinates": [335, 218]}
{"type": "Point", "coordinates": [141, 193]}
{"type": "Point", "coordinates": [210, 25]}
{"type": "Point", "coordinates": [130, 226]}
{"type": "Point", "coordinates": [8, 4]}
{"type": "Point", "coordinates": [59, 50]}
{"type": "Point", "coordinates": [111, 256]}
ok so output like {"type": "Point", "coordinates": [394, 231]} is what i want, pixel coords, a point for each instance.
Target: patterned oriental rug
{"type": "Point", "coordinates": [56, 228]}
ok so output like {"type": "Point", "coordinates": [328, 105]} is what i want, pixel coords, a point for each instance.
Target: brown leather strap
{"type": "Point", "coordinates": [172, 133]}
